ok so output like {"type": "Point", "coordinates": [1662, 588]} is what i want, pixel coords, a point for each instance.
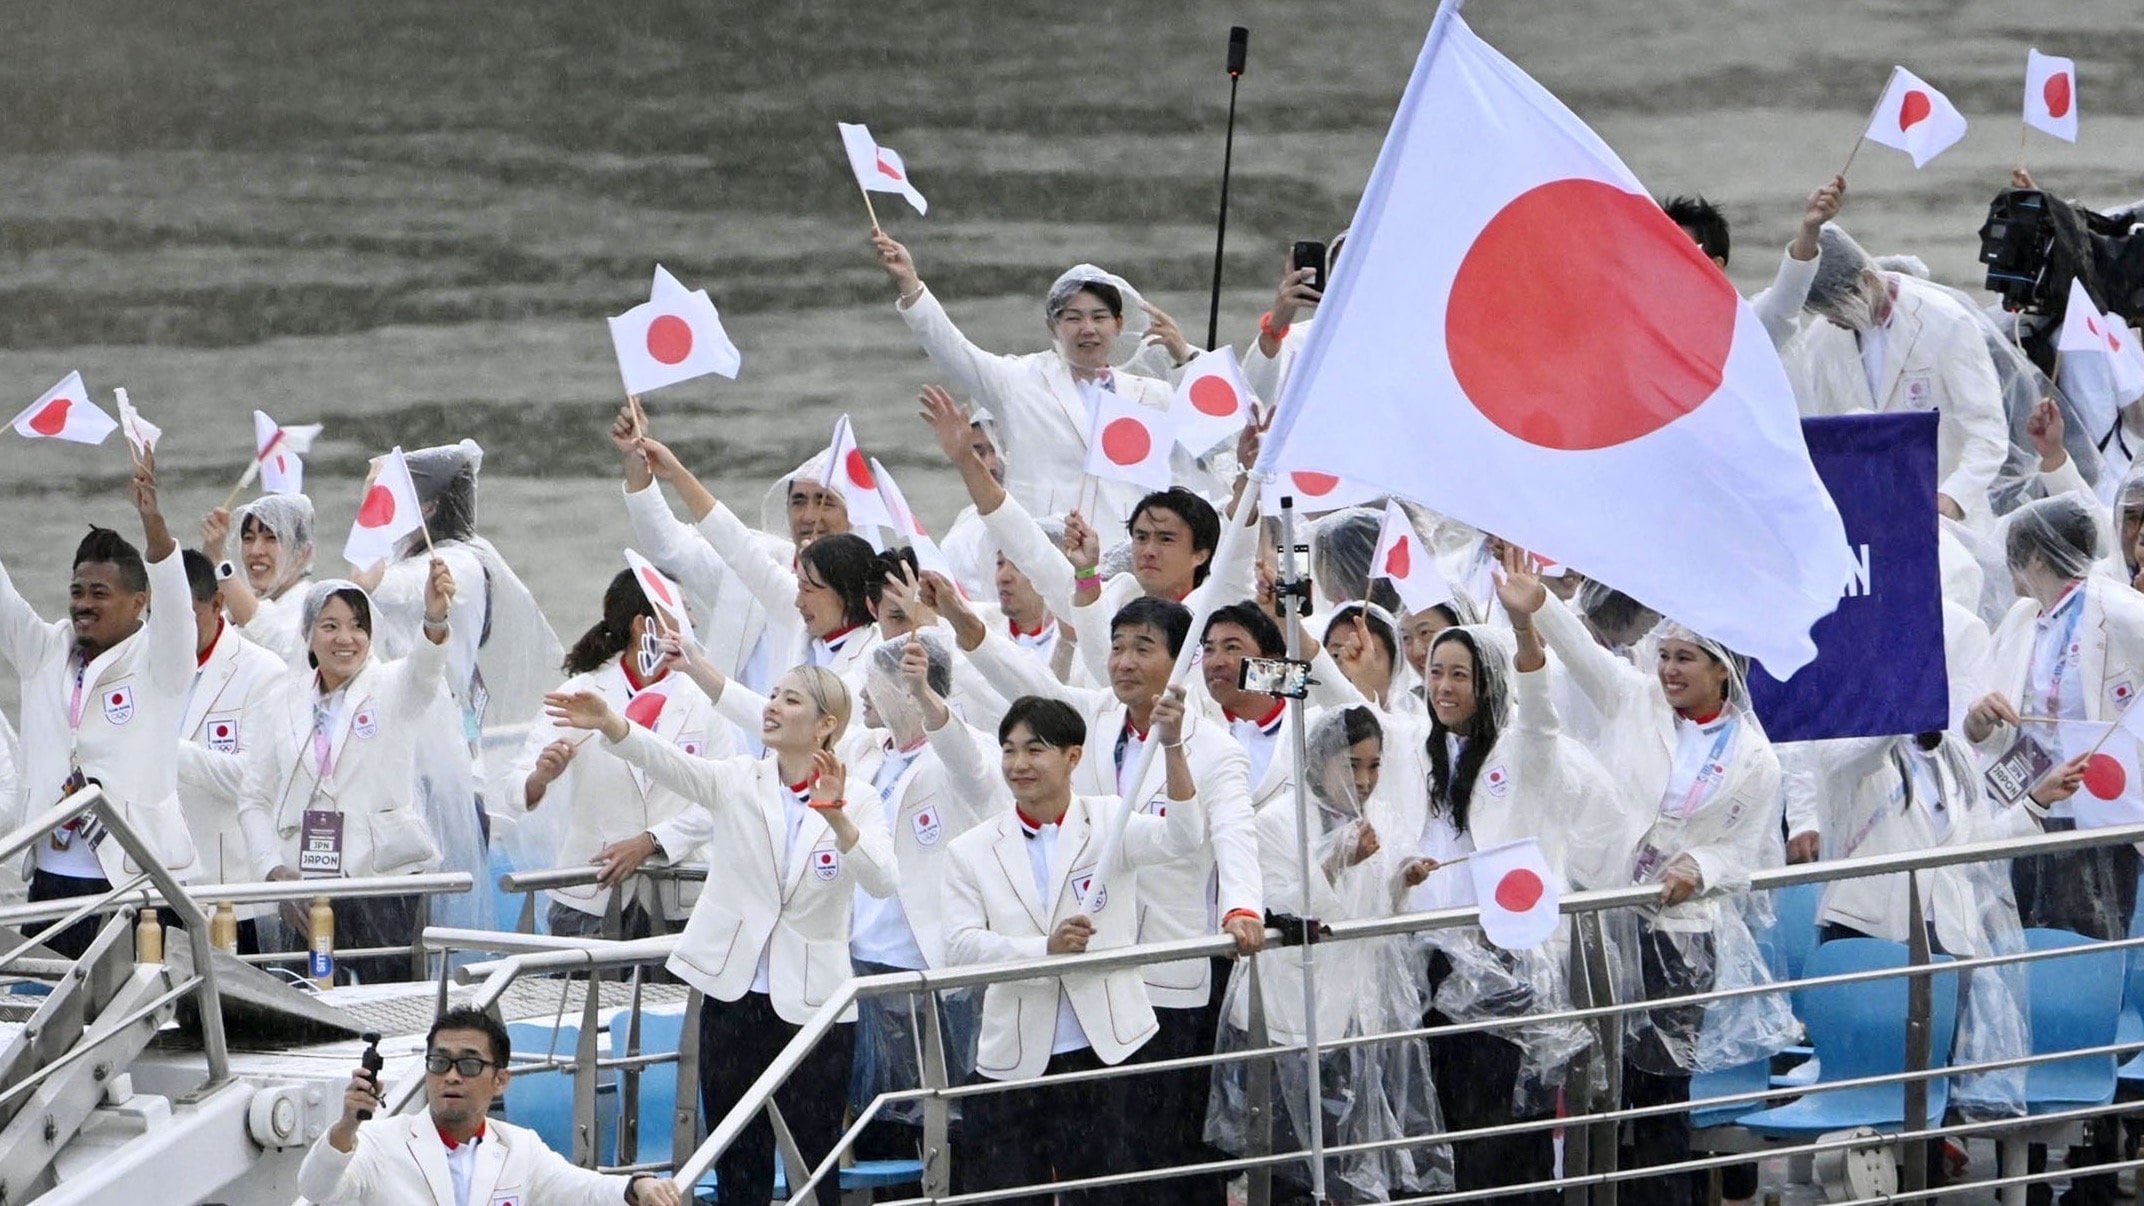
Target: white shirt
{"type": "Point", "coordinates": [1130, 743]}
{"type": "Point", "coordinates": [461, 1166]}
{"type": "Point", "coordinates": [794, 812]}
{"type": "Point", "coordinates": [1699, 768]}
{"type": "Point", "coordinates": [1926, 784]}
{"type": "Point", "coordinates": [1873, 343]}
{"type": "Point", "coordinates": [1443, 841]}
{"type": "Point", "coordinates": [824, 650]}
{"type": "Point", "coordinates": [1259, 738]}
{"type": "Point", "coordinates": [1041, 846]}
{"type": "Point", "coordinates": [1042, 642]}
{"type": "Point", "coordinates": [878, 929]}
{"type": "Point", "coordinates": [2056, 684]}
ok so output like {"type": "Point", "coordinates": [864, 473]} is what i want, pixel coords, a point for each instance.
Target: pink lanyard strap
{"type": "Point", "coordinates": [74, 705]}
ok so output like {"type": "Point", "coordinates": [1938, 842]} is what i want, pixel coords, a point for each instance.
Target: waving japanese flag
{"type": "Point", "coordinates": [662, 591]}
{"type": "Point", "coordinates": [909, 530]}
{"type": "Point", "coordinates": [388, 512]}
{"type": "Point", "coordinates": [65, 413]}
{"type": "Point", "coordinates": [1128, 441]}
{"type": "Point", "coordinates": [2112, 792]}
{"type": "Point", "coordinates": [140, 432]}
{"type": "Point", "coordinates": [2088, 330]}
{"type": "Point", "coordinates": [1518, 892]}
{"type": "Point", "coordinates": [848, 470]}
{"type": "Point", "coordinates": [878, 169]}
{"type": "Point", "coordinates": [1402, 561]}
{"type": "Point", "coordinates": [2051, 94]}
{"type": "Point", "coordinates": [1212, 403]}
{"type": "Point", "coordinates": [1316, 493]}
{"type": "Point", "coordinates": [1915, 118]}
{"type": "Point", "coordinates": [280, 451]}
{"type": "Point", "coordinates": [673, 336]}
{"type": "Point", "coordinates": [1526, 344]}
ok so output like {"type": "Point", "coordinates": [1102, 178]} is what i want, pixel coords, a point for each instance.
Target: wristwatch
{"type": "Point", "coordinates": [225, 571]}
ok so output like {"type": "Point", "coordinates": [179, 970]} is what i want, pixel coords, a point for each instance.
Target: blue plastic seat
{"type": "Point", "coordinates": [2131, 1027]}
{"type": "Point", "coordinates": [1859, 1030]}
{"type": "Point", "coordinates": [1742, 1078]}
{"type": "Point", "coordinates": [1794, 930]}
{"type": "Point", "coordinates": [543, 1101]}
{"type": "Point", "coordinates": [2076, 1003]}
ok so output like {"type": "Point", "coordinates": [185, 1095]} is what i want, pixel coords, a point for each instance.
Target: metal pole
{"type": "Point", "coordinates": [1913, 1173]}
{"type": "Point", "coordinates": [1238, 47]}
{"type": "Point", "coordinates": [1313, 1081]}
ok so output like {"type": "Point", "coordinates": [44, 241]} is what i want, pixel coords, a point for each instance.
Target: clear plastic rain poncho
{"type": "Point", "coordinates": [889, 1035]}
{"type": "Point", "coordinates": [2055, 536]}
{"type": "Point", "coordinates": [2128, 520]}
{"type": "Point", "coordinates": [513, 655]}
{"type": "Point", "coordinates": [1709, 942]}
{"type": "Point", "coordinates": [445, 786]}
{"type": "Point", "coordinates": [289, 517]}
{"type": "Point", "coordinates": [1136, 321]}
{"type": "Point", "coordinates": [1370, 1092]}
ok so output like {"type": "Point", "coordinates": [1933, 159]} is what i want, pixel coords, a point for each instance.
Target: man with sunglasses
{"type": "Point", "coordinates": [453, 1155]}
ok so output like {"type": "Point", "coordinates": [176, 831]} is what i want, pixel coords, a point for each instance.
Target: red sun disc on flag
{"type": "Point", "coordinates": [657, 587]}
{"type": "Point", "coordinates": [1213, 396]}
{"type": "Point", "coordinates": [53, 418]}
{"type": "Point", "coordinates": [2104, 777]}
{"type": "Point", "coordinates": [378, 509]}
{"type": "Point", "coordinates": [1913, 109]}
{"type": "Point", "coordinates": [646, 708]}
{"type": "Point", "coordinates": [1316, 485]}
{"type": "Point", "coordinates": [1519, 890]}
{"type": "Point", "coordinates": [281, 466]}
{"type": "Point", "coordinates": [1126, 441]}
{"type": "Point", "coordinates": [1541, 350]}
{"type": "Point", "coordinates": [2056, 93]}
{"type": "Point", "coordinates": [886, 169]}
{"type": "Point", "coordinates": [2091, 324]}
{"type": "Point", "coordinates": [859, 470]}
{"type": "Point", "coordinates": [1399, 562]}
{"type": "Point", "coordinates": [669, 339]}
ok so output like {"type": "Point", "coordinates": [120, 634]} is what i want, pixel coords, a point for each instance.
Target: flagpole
{"type": "Point", "coordinates": [2024, 131]}
{"type": "Point", "coordinates": [1291, 584]}
{"type": "Point", "coordinates": [1238, 49]}
{"type": "Point", "coordinates": [1864, 135]}
{"type": "Point", "coordinates": [253, 470]}
{"type": "Point", "coordinates": [869, 208]}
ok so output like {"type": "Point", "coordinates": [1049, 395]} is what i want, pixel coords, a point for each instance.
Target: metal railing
{"type": "Point", "coordinates": [1604, 1016]}
{"type": "Point", "coordinates": [526, 884]}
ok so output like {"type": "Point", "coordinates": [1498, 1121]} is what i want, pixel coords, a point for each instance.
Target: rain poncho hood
{"type": "Point", "coordinates": [289, 517]}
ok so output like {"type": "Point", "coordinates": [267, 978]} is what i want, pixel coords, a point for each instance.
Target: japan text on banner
{"type": "Point", "coordinates": [388, 512]}
{"type": "Point", "coordinates": [878, 169]}
{"type": "Point", "coordinates": [2112, 793]}
{"type": "Point", "coordinates": [2051, 94]}
{"type": "Point", "coordinates": [1212, 403]}
{"type": "Point", "coordinates": [280, 452]}
{"type": "Point", "coordinates": [1879, 665]}
{"type": "Point", "coordinates": [1518, 893]}
{"type": "Point", "coordinates": [140, 432]}
{"type": "Point", "coordinates": [663, 593]}
{"type": "Point", "coordinates": [1402, 561]}
{"type": "Point", "coordinates": [1915, 118]}
{"type": "Point", "coordinates": [1128, 440]}
{"type": "Point", "coordinates": [1526, 344]}
{"type": "Point", "coordinates": [2086, 329]}
{"type": "Point", "coordinates": [908, 528]}
{"type": "Point", "coordinates": [848, 472]}
{"type": "Point", "coordinates": [65, 412]}
{"type": "Point", "coordinates": [673, 336]}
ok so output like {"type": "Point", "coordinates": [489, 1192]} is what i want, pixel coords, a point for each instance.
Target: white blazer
{"type": "Point", "coordinates": [1185, 897]}
{"type": "Point", "coordinates": [729, 619]}
{"type": "Point", "coordinates": [1268, 375]}
{"type": "Point", "coordinates": [798, 915]}
{"type": "Point", "coordinates": [1935, 358]}
{"type": "Point", "coordinates": [773, 583]}
{"type": "Point", "coordinates": [1042, 419]}
{"type": "Point", "coordinates": [2110, 655]}
{"type": "Point", "coordinates": [132, 698]}
{"type": "Point", "coordinates": [948, 789]}
{"type": "Point", "coordinates": [604, 800]}
{"type": "Point", "coordinates": [224, 711]}
{"type": "Point", "coordinates": [994, 915]}
{"type": "Point", "coordinates": [401, 1160]}
{"type": "Point", "coordinates": [372, 769]}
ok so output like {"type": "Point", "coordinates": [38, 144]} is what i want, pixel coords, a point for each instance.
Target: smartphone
{"type": "Point", "coordinates": [1311, 255]}
{"type": "Point", "coordinates": [1274, 676]}
{"type": "Point", "coordinates": [651, 655]}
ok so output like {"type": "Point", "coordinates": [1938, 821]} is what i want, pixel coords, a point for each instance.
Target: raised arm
{"type": "Point", "coordinates": [971, 369]}
{"type": "Point", "coordinates": [169, 628]}
{"type": "Point", "coordinates": [1779, 307]}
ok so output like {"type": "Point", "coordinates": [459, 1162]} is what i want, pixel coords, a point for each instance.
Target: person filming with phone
{"type": "Point", "coordinates": [453, 1154]}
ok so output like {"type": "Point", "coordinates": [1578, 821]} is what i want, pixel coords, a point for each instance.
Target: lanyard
{"type": "Point", "coordinates": [2062, 655]}
{"type": "Point", "coordinates": [74, 705]}
{"type": "Point", "coordinates": [323, 752]}
{"type": "Point", "coordinates": [1707, 773]}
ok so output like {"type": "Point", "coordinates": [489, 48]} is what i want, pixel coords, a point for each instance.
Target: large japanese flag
{"type": "Point", "coordinates": [388, 512]}
{"type": "Point", "coordinates": [662, 591]}
{"type": "Point", "coordinates": [908, 529]}
{"type": "Point", "coordinates": [878, 169]}
{"type": "Point", "coordinates": [1128, 441]}
{"type": "Point", "coordinates": [1211, 403]}
{"type": "Point", "coordinates": [1402, 561]}
{"type": "Point", "coordinates": [1518, 893]}
{"type": "Point", "coordinates": [2086, 329]}
{"type": "Point", "coordinates": [673, 336]}
{"type": "Point", "coordinates": [1525, 343]}
{"type": "Point", "coordinates": [280, 452]}
{"type": "Point", "coordinates": [1915, 118]}
{"type": "Point", "coordinates": [2051, 94]}
{"type": "Point", "coordinates": [848, 471]}
{"type": "Point", "coordinates": [65, 412]}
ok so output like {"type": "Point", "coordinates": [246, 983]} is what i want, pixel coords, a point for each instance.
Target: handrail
{"type": "Point", "coordinates": [777, 1072]}
{"type": "Point", "coordinates": [195, 922]}
{"type": "Point", "coordinates": [435, 883]}
{"type": "Point", "coordinates": [548, 879]}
